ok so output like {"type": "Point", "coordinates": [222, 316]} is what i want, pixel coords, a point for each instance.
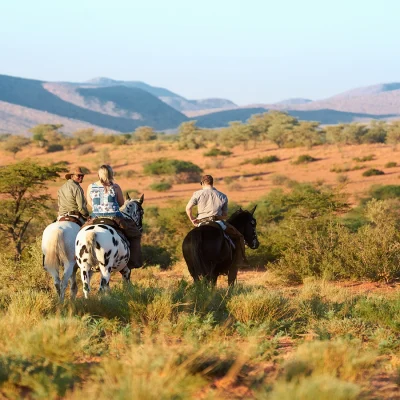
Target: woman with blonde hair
{"type": "Point", "coordinates": [105, 198]}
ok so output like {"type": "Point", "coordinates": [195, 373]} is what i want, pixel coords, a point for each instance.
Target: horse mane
{"type": "Point", "coordinates": [236, 214]}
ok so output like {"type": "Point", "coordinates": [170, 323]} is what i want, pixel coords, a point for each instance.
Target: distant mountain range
{"type": "Point", "coordinates": [122, 106]}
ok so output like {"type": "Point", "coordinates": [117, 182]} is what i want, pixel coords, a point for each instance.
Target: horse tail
{"type": "Point", "coordinates": [200, 267]}
{"type": "Point", "coordinates": [91, 247]}
{"type": "Point", "coordinates": [56, 253]}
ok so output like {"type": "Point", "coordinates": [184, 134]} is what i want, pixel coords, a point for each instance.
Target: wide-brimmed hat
{"type": "Point", "coordinates": [76, 171]}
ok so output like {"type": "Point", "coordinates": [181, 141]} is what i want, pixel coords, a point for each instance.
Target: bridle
{"type": "Point", "coordinates": [137, 216]}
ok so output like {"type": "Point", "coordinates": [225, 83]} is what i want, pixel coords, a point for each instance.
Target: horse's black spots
{"type": "Point", "coordinates": [90, 228]}
{"type": "Point", "coordinates": [112, 231]}
{"type": "Point", "coordinates": [83, 250]}
{"type": "Point", "coordinates": [84, 260]}
{"type": "Point", "coordinates": [116, 255]}
{"type": "Point", "coordinates": [103, 226]}
{"type": "Point", "coordinates": [103, 282]}
{"type": "Point", "coordinates": [97, 245]}
{"type": "Point", "coordinates": [84, 275]}
{"type": "Point", "coordinates": [109, 269]}
{"type": "Point", "coordinates": [77, 242]}
{"type": "Point", "coordinates": [107, 257]}
{"type": "Point", "coordinates": [115, 242]}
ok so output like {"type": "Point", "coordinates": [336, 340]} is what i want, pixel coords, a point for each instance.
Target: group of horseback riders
{"type": "Point", "coordinates": [105, 198]}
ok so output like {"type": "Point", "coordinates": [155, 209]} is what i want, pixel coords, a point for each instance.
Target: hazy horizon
{"type": "Point", "coordinates": [251, 52]}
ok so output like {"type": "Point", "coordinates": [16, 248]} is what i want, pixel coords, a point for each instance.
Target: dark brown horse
{"type": "Point", "coordinates": [209, 254]}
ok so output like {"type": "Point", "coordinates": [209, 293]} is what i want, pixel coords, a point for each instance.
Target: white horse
{"type": "Point", "coordinates": [58, 247]}
{"type": "Point", "coordinates": [101, 246]}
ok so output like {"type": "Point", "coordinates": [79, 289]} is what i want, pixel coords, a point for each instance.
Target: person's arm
{"type": "Point", "coordinates": [224, 210]}
{"type": "Point", "coordinates": [81, 202]}
{"type": "Point", "coordinates": [89, 199]}
{"type": "Point", "coordinates": [120, 195]}
{"type": "Point", "coordinates": [189, 207]}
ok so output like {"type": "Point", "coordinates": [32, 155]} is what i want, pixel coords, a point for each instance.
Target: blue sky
{"type": "Point", "coordinates": [250, 51]}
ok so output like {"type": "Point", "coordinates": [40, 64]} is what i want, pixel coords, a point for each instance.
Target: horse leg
{"type": "Point", "coordinates": [126, 274]}
{"type": "Point", "coordinates": [56, 278]}
{"type": "Point", "coordinates": [232, 274]}
{"type": "Point", "coordinates": [68, 272]}
{"type": "Point", "coordinates": [105, 278]}
{"type": "Point", "coordinates": [86, 274]}
{"type": "Point", "coordinates": [74, 286]}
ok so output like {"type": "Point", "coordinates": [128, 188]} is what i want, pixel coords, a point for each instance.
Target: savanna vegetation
{"type": "Point", "coordinates": [317, 315]}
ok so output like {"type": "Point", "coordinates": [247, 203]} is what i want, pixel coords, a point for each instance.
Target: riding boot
{"type": "Point", "coordinates": [240, 259]}
{"type": "Point", "coordinates": [135, 259]}
{"type": "Point", "coordinates": [134, 236]}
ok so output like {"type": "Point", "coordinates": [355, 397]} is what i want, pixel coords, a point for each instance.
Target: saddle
{"type": "Point", "coordinates": [70, 218]}
{"type": "Point", "coordinates": [216, 223]}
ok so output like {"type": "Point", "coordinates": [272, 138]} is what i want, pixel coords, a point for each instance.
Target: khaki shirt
{"type": "Point", "coordinates": [210, 202]}
{"type": "Point", "coordinates": [71, 198]}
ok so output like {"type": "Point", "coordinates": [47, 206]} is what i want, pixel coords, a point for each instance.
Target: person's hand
{"type": "Point", "coordinates": [195, 222]}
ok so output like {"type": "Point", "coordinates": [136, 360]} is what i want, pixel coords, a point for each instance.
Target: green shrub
{"type": "Point", "coordinates": [156, 255]}
{"type": "Point", "coordinates": [342, 178]}
{"type": "Point", "coordinates": [384, 192]}
{"type": "Point", "coordinates": [391, 164]}
{"type": "Point", "coordinates": [184, 171]}
{"type": "Point", "coordinates": [304, 159]}
{"type": "Point", "coordinates": [129, 173]}
{"type": "Point", "coordinates": [54, 148]}
{"type": "Point", "coordinates": [372, 172]}
{"type": "Point", "coordinates": [85, 149]}
{"type": "Point", "coordinates": [160, 186]}
{"type": "Point", "coordinates": [339, 169]}
{"type": "Point", "coordinates": [217, 152]}
{"type": "Point", "coordinates": [261, 160]}
{"type": "Point", "coordinates": [365, 158]}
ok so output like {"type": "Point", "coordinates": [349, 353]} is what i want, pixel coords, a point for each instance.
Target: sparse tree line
{"type": "Point", "coordinates": [274, 126]}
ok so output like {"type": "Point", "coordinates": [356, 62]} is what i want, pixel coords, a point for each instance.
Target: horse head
{"type": "Point", "coordinates": [245, 223]}
{"type": "Point", "coordinates": [133, 209]}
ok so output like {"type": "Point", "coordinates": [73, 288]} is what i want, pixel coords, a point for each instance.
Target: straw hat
{"type": "Point", "coordinates": [76, 171]}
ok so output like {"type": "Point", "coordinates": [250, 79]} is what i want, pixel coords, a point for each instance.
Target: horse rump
{"type": "Point", "coordinates": [55, 252]}
{"type": "Point", "coordinates": [201, 251]}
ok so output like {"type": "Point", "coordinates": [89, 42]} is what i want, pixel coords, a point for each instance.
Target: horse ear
{"type": "Point", "coordinates": [254, 209]}
{"type": "Point", "coordinates": [141, 199]}
{"type": "Point", "coordinates": [127, 196]}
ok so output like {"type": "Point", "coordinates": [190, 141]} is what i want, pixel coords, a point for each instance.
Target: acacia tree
{"type": "Point", "coordinates": [22, 199]}
{"type": "Point", "coordinates": [14, 144]}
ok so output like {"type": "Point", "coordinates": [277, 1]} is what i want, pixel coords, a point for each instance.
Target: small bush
{"type": "Point", "coordinates": [234, 186]}
{"type": "Point", "coordinates": [304, 159]}
{"type": "Point", "coordinates": [339, 169]}
{"type": "Point", "coordinates": [365, 158]}
{"type": "Point", "coordinates": [217, 152]}
{"type": "Point", "coordinates": [391, 164]}
{"type": "Point", "coordinates": [85, 149]}
{"type": "Point", "coordinates": [342, 178]}
{"type": "Point", "coordinates": [261, 160]}
{"type": "Point", "coordinates": [228, 180]}
{"type": "Point", "coordinates": [372, 172]}
{"type": "Point", "coordinates": [184, 171]}
{"type": "Point", "coordinates": [54, 148]}
{"type": "Point", "coordinates": [156, 255]}
{"type": "Point", "coordinates": [85, 170]}
{"type": "Point", "coordinates": [129, 173]}
{"type": "Point", "coordinates": [384, 192]}
{"type": "Point", "coordinates": [280, 180]}
{"type": "Point", "coordinates": [160, 186]}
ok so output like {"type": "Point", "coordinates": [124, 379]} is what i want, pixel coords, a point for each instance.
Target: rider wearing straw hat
{"type": "Point", "coordinates": [71, 198]}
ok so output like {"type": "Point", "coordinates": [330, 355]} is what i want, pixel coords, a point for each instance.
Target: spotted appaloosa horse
{"type": "Point", "coordinates": [58, 247]}
{"type": "Point", "coordinates": [101, 246]}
